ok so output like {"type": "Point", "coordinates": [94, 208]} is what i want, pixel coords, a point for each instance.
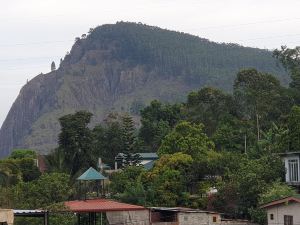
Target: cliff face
{"type": "Point", "coordinates": [118, 68]}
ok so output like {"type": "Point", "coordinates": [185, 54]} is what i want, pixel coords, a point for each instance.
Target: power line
{"type": "Point", "coordinates": [34, 43]}
{"type": "Point", "coordinates": [248, 24]}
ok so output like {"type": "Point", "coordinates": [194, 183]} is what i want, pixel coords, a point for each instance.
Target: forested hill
{"type": "Point", "coordinates": [122, 67]}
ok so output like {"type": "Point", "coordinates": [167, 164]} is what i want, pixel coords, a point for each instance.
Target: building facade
{"type": "Point", "coordinates": [283, 211]}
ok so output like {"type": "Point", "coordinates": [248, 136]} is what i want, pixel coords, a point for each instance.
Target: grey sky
{"type": "Point", "coordinates": [36, 32]}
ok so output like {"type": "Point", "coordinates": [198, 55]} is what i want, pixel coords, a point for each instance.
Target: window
{"type": "Point", "coordinates": [271, 216]}
{"type": "Point", "coordinates": [288, 220]}
{"type": "Point", "coordinates": [214, 219]}
{"type": "Point", "coordinates": [293, 170]}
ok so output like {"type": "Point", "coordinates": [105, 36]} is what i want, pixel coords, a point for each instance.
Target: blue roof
{"type": "Point", "coordinates": [149, 165]}
{"type": "Point", "coordinates": [91, 174]}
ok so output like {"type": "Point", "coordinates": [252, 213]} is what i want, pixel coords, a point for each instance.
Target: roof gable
{"type": "Point", "coordinates": [285, 200]}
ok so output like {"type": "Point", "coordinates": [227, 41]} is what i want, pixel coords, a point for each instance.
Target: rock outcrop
{"type": "Point", "coordinates": [117, 67]}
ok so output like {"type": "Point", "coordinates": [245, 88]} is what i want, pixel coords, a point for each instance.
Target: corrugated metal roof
{"type": "Point", "coordinates": [143, 156]}
{"type": "Point", "coordinates": [100, 205]}
{"type": "Point", "coordinates": [91, 174]}
{"type": "Point", "coordinates": [182, 209]}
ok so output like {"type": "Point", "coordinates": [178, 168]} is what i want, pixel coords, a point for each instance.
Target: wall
{"type": "Point", "coordinates": [139, 217]}
{"type": "Point", "coordinates": [279, 211]}
{"type": "Point", "coordinates": [197, 218]}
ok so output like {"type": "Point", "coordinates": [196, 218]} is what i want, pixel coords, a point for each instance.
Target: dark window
{"type": "Point", "coordinates": [214, 219]}
{"type": "Point", "coordinates": [288, 220]}
{"type": "Point", "coordinates": [271, 216]}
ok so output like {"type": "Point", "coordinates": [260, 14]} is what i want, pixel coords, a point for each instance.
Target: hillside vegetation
{"type": "Point", "coordinates": [122, 67]}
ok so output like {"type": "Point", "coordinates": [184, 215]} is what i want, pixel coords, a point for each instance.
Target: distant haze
{"type": "Point", "coordinates": [34, 33]}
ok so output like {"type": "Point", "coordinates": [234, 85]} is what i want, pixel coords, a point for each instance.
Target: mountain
{"type": "Point", "coordinates": [122, 67]}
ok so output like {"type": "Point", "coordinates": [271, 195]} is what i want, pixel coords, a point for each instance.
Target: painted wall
{"type": "Point", "coordinates": [291, 209]}
{"type": "Point", "coordinates": [139, 217]}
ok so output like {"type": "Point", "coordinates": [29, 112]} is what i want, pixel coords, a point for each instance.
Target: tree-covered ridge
{"type": "Point", "coordinates": [175, 54]}
{"type": "Point", "coordinates": [217, 151]}
{"type": "Point", "coordinates": [123, 67]}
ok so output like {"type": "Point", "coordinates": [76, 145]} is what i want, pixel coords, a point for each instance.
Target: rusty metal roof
{"type": "Point", "coordinates": [284, 200]}
{"type": "Point", "coordinates": [100, 205]}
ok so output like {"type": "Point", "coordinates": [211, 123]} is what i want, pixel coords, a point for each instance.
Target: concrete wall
{"type": "Point", "coordinates": [197, 218]}
{"type": "Point", "coordinates": [138, 217]}
{"type": "Point", "coordinates": [292, 209]}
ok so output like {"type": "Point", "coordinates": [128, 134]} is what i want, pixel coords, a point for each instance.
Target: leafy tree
{"type": "Point", "coordinates": [157, 121]}
{"type": "Point", "coordinates": [120, 181]}
{"type": "Point", "coordinates": [246, 184]}
{"type": "Point", "coordinates": [294, 128]}
{"type": "Point", "coordinates": [168, 181]}
{"type": "Point", "coordinates": [290, 60]}
{"type": "Point", "coordinates": [187, 138]}
{"type": "Point", "coordinates": [10, 173]}
{"type": "Point", "coordinates": [23, 153]}
{"type": "Point", "coordinates": [256, 95]}
{"type": "Point", "coordinates": [75, 141]}
{"type": "Point", "coordinates": [107, 139]}
{"type": "Point", "coordinates": [48, 189]}
{"type": "Point", "coordinates": [209, 106]}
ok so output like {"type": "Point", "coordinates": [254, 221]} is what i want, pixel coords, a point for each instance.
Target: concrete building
{"type": "Point", "coordinates": [187, 216]}
{"type": "Point", "coordinates": [291, 163]}
{"type": "Point", "coordinates": [283, 211]}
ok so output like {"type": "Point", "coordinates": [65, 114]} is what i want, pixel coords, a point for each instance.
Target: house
{"type": "Point", "coordinates": [145, 159]}
{"type": "Point", "coordinates": [284, 211]}
{"type": "Point", "coordinates": [291, 163]}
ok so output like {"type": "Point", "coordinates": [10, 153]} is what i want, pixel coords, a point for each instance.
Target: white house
{"type": "Point", "coordinates": [284, 211]}
{"type": "Point", "coordinates": [291, 163]}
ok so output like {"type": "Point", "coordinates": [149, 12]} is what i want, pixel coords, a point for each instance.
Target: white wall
{"type": "Point", "coordinates": [291, 209]}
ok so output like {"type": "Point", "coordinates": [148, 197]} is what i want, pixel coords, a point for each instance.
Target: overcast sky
{"type": "Point", "coordinates": [36, 32]}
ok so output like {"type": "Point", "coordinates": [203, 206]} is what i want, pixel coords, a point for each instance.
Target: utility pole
{"type": "Point", "coordinates": [245, 143]}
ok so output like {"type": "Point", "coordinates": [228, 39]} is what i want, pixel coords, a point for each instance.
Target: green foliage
{"type": "Point", "coordinates": [187, 138]}
{"type": "Point", "coordinates": [157, 121]}
{"type": "Point", "coordinates": [294, 128]}
{"type": "Point", "coordinates": [129, 140]}
{"type": "Point", "coordinates": [107, 140]}
{"type": "Point", "coordinates": [75, 141]}
{"type": "Point", "coordinates": [175, 54]}
{"type": "Point", "coordinates": [48, 189]}
{"type": "Point", "coordinates": [126, 177]}
{"type": "Point", "coordinates": [167, 183]}
{"type": "Point", "coordinates": [242, 189]}
{"type": "Point", "coordinates": [23, 153]}
{"type": "Point", "coordinates": [258, 96]}
{"type": "Point", "coordinates": [276, 190]}
{"type": "Point", "coordinates": [209, 106]}
{"type": "Point", "coordinates": [290, 60]}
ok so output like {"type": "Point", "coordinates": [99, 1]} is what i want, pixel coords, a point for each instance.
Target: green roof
{"type": "Point", "coordinates": [91, 174]}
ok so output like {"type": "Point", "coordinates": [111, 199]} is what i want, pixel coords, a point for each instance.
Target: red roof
{"type": "Point", "coordinates": [281, 201]}
{"type": "Point", "coordinates": [100, 205]}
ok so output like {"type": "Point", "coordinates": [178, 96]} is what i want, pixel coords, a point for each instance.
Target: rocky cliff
{"type": "Point", "coordinates": [121, 67]}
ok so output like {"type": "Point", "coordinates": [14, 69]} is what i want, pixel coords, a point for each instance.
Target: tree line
{"type": "Point", "coordinates": [212, 141]}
